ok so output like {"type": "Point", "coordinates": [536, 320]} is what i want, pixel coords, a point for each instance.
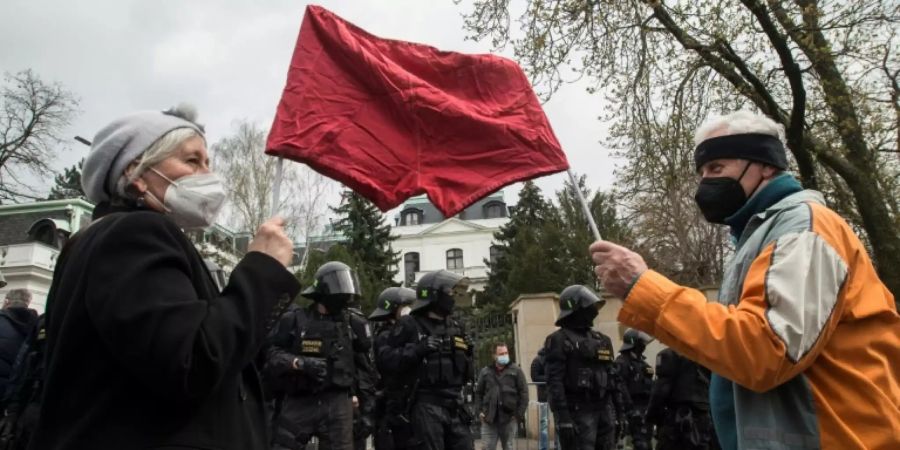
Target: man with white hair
{"type": "Point", "coordinates": [16, 321]}
{"type": "Point", "coordinates": [804, 338]}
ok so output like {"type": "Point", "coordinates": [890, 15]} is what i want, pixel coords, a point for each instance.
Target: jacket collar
{"type": "Point", "coordinates": [779, 188]}
{"type": "Point", "coordinates": [805, 196]}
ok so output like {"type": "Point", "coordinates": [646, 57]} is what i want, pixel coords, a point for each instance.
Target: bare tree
{"type": "Point", "coordinates": [312, 195]}
{"type": "Point", "coordinates": [33, 115]}
{"type": "Point", "coordinates": [827, 70]}
{"type": "Point", "coordinates": [249, 173]}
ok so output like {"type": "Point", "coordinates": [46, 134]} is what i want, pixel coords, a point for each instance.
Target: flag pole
{"type": "Point", "coordinates": [276, 186]}
{"type": "Point", "coordinates": [584, 205]}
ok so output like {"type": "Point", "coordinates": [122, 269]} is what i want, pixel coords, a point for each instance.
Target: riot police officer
{"type": "Point", "coordinates": [364, 402]}
{"type": "Point", "coordinates": [679, 404]}
{"type": "Point", "coordinates": [313, 363]}
{"type": "Point", "coordinates": [637, 377]}
{"type": "Point", "coordinates": [433, 355]}
{"type": "Point", "coordinates": [393, 430]}
{"type": "Point", "coordinates": [584, 390]}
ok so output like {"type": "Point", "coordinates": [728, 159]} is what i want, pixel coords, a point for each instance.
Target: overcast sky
{"type": "Point", "coordinates": [230, 59]}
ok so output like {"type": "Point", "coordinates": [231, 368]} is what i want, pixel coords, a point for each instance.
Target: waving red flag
{"type": "Point", "coordinates": [393, 119]}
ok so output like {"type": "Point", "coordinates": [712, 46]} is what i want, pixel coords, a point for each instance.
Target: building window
{"type": "Point", "coordinates": [454, 259]}
{"type": "Point", "coordinates": [411, 216]}
{"type": "Point", "coordinates": [494, 210]}
{"type": "Point", "coordinates": [410, 267]}
{"type": "Point", "coordinates": [496, 251]}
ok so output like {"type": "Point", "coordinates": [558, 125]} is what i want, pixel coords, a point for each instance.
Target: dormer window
{"type": "Point", "coordinates": [50, 232]}
{"type": "Point", "coordinates": [411, 216]}
{"type": "Point", "coordinates": [494, 210]}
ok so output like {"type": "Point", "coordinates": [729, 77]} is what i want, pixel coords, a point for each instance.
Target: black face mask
{"type": "Point", "coordinates": [720, 197]}
{"type": "Point", "coordinates": [443, 305]}
{"type": "Point", "coordinates": [334, 303]}
{"type": "Point", "coordinates": [582, 318]}
{"type": "Point", "coordinates": [639, 347]}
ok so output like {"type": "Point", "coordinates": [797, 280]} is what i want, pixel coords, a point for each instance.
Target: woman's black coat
{"type": "Point", "coordinates": [144, 352]}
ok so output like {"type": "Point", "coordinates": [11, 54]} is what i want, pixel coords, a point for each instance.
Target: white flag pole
{"type": "Point", "coordinates": [584, 205]}
{"type": "Point", "coordinates": [276, 186]}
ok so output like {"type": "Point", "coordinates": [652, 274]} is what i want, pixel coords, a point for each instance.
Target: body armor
{"type": "Point", "coordinates": [330, 338]}
{"type": "Point", "coordinates": [451, 365]}
{"type": "Point", "coordinates": [589, 364]}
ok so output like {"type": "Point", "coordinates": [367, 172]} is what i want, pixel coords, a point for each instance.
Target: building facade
{"type": "Point", "coordinates": [31, 237]}
{"type": "Point", "coordinates": [427, 241]}
{"type": "Point", "coordinates": [33, 234]}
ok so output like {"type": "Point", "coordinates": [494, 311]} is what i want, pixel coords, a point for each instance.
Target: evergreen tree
{"type": "Point", "coordinates": [367, 245]}
{"type": "Point", "coordinates": [578, 236]}
{"type": "Point", "coordinates": [544, 246]}
{"type": "Point", "coordinates": [525, 263]}
{"type": "Point", "coordinates": [68, 184]}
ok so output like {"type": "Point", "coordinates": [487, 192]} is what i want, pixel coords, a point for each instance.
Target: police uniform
{"type": "Point", "coordinates": [365, 388]}
{"type": "Point", "coordinates": [584, 389]}
{"type": "Point", "coordinates": [679, 404]}
{"type": "Point", "coordinates": [393, 426]}
{"type": "Point", "coordinates": [316, 363]}
{"type": "Point", "coordinates": [434, 357]}
{"type": "Point", "coordinates": [637, 377]}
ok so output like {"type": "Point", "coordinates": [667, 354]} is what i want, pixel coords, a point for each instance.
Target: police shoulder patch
{"type": "Point", "coordinates": [311, 346]}
{"type": "Point", "coordinates": [604, 354]}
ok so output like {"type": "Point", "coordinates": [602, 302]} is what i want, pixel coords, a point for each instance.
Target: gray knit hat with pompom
{"type": "Point", "coordinates": [123, 140]}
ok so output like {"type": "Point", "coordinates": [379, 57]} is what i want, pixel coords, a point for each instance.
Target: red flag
{"type": "Point", "coordinates": [393, 119]}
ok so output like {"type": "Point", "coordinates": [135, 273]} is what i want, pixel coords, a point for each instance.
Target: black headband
{"type": "Point", "coordinates": [757, 147]}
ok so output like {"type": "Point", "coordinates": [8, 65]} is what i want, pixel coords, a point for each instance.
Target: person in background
{"type": "Point", "coordinates": [501, 397]}
{"type": "Point", "coordinates": [539, 377]}
{"type": "Point", "coordinates": [17, 320]}
{"type": "Point", "coordinates": [637, 377]}
{"type": "Point", "coordinates": [679, 404]}
{"type": "Point", "coordinates": [434, 355]}
{"type": "Point", "coordinates": [317, 360]}
{"type": "Point", "coordinates": [585, 392]}
{"type": "Point", "coordinates": [394, 429]}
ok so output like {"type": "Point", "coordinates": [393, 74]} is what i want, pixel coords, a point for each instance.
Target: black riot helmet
{"type": "Point", "coordinates": [575, 298]}
{"type": "Point", "coordinates": [635, 339]}
{"type": "Point", "coordinates": [437, 291]}
{"type": "Point", "coordinates": [390, 300]}
{"type": "Point", "coordinates": [336, 285]}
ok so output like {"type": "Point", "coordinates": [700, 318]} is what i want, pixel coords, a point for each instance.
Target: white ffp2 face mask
{"type": "Point", "coordinates": [194, 201]}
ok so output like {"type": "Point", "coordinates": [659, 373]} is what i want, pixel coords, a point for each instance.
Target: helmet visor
{"type": "Point", "coordinates": [339, 282]}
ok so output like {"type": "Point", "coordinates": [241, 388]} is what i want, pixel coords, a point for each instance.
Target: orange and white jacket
{"type": "Point", "coordinates": [804, 330]}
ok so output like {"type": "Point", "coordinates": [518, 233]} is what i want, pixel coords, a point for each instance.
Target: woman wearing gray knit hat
{"type": "Point", "coordinates": [143, 351]}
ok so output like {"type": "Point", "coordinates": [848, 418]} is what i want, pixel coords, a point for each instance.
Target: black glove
{"type": "Point", "coordinates": [470, 345]}
{"type": "Point", "coordinates": [315, 368]}
{"type": "Point", "coordinates": [429, 345]}
{"type": "Point", "coordinates": [621, 427]}
{"type": "Point", "coordinates": [567, 434]}
{"type": "Point", "coordinates": [364, 427]}
{"type": "Point", "coordinates": [8, 428]}
{"type": "Point", "coordinates": [653, 417]}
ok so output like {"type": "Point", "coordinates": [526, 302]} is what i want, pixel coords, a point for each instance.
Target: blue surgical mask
{"type": "Point", "coordinates": [503, 360]}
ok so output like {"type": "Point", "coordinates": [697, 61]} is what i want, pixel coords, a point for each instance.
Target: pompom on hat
{"type": "Point", "coordinates": [119, 143]}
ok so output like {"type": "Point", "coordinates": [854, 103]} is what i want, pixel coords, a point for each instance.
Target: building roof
{"type": "Point", "coordinates": [16, 220]}
{"type": "Point", "coordinates": [431, 215]}
{"type": "Point", "coordinates": [451, 225]}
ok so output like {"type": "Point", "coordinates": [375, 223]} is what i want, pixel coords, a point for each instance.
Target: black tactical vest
{"type": "Point", "coordinates": [589, 364]}
{"type": "Point", "coordinates": [691, 384]}
{"type": "Point", "coordinates": [451, 365]}
{"type": "Point", "coordinates": [329, 338]}
{"type": "Point", "coordinates": [638, 378]}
